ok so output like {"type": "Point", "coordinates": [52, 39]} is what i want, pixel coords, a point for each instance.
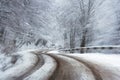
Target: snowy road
{"type": "Point", "coordinates": [44, 65]}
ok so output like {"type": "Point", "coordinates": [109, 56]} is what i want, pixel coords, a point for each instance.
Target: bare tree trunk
{"type": "Point", "coordinates": [72, 39]}
{"type": "Point", "coordinates": [83, 41]}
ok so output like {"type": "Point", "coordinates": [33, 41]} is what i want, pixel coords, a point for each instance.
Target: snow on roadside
{"type": "Point", "coordinates": [5, 62]}
{"type": "Point", "coordinates": [108, 66]}
{"type": "Point", "coordinates": [29, 61]}
{"type": "Point", "coordinates": [103, 59]}
{"type": "Point", "coordinates": [53, 51]}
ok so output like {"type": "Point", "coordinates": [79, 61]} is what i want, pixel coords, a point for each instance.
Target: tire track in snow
{"type": "Point", "coordinates": [45, 72]}
{"type": "Point", "coordinates": [89, 65]}
{"type": "Point", "coordinates": [50, 66]}
{"type": "Point", "coordinates": [70, 69]}
{"type": "Point", "coordinates": [105, 67]}
{"type": "Point", "coordinates": [38, 65]}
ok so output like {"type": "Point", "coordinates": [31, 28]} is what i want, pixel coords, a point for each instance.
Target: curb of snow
{"type": "Point", "coordinates": [45, 71]}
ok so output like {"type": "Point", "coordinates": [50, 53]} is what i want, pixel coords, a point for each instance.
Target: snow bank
{"type": "Point", "coordinates": [29, 61]}
{"type": "Point", "coordinates": [5, 62]}
{"type": "Point", "coordinates": [99, 58]}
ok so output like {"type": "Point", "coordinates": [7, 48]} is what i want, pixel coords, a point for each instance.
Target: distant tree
{"type": "Point", "coordinates": [86, 12]}
{"type": "Point", "coordinates": [2, 31]}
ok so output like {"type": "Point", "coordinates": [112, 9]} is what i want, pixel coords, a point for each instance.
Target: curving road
{"type": "Point", "coordinates": [42, 65]}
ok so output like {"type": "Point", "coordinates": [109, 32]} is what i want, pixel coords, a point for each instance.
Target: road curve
{"type": "Point", "coordinates": [40, 65]}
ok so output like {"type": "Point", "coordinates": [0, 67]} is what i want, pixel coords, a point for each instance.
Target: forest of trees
{"type": "Point", "coordinates": [58, 23]}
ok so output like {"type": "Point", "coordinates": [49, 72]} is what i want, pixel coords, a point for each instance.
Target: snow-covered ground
{"type": "Point", "coordinates": [37, 64]}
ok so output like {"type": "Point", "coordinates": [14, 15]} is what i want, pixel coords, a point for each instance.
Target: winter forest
{"type": "Point", "coordinates": [57, 25]}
